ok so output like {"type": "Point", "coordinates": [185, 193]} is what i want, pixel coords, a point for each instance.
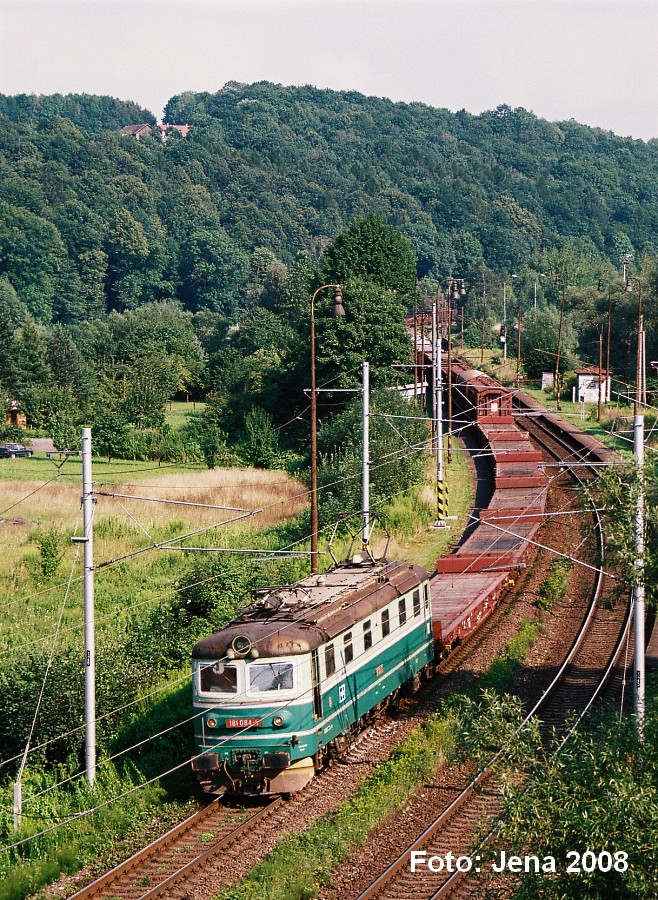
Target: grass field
{"type": "Point", "coordinates": [176, 413]}
{"type": "Point", "coordinates": [33, 504]}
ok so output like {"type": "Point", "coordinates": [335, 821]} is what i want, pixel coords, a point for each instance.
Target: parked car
{"type": "Point", "coordinates": [9, 451]}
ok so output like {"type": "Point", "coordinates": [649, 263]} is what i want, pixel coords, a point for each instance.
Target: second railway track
{"type": "Point", "coordinates": [577, 683]}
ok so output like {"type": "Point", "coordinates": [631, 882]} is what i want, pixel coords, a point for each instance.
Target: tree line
{"type": "Point", "coordinates": [134, 271]}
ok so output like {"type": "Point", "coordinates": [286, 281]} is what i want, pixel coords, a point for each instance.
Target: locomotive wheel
{"type": "Point", "coordinates": [338, 746]}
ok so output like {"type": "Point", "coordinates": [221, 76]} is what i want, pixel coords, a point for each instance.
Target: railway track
{"type": "Point", "coordinates": [218, 834]}
{"type": "Point", "coordinates": [154, 870]}
{"type": "Point", "coordinates": [578, 682]}
{"type": "Point", "coordinates": [220, 837]}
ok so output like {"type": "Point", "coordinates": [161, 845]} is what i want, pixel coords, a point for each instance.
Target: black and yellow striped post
{"type": "Point", "coordinates": [442, 501]}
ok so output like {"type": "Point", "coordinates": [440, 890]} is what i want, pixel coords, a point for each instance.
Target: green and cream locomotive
{"type": "Point", "coordinates": [282, 688]}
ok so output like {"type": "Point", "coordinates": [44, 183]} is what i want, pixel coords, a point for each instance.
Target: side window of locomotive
{"type": "Point", "coordinates": [416, 603]}
{"type": "Point", "coordinates": [329, 660]}
{"type": "Point", "coordinates": [276, 676]}
{"type": "Point", "coordinates": [367, 635]}
{"type": "Point", "coordinates": [386, 623]}
{"type": "Point", "coordinates": [402, 607]}
{"type": "Point", "coordinates": [349, 648]}
{"type": "Point", "coordinates": [427, 596]}
{"type": "Point", "coordinates": [216, 678]}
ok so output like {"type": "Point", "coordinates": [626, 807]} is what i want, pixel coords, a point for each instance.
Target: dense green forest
{"type": "Point", "coordinates": [126, 265]}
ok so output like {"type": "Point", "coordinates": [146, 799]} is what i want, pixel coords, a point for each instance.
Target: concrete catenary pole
{"type": "Point", "coordinates": [441, 487]}
{"type": "Point", "coordinates": [89, 625]}
{"type": "Point", "coordinates": [365, 484]}
{"type": "Point", "coordinates": [638, 589]}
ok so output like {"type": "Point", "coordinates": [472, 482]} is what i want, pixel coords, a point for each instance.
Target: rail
{"type": "Point", "coordinates": [401, 865]}
{"type": "Point", "coordinates": [132, 878]}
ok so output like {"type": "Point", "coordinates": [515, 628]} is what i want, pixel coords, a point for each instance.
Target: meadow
{"type": "Point", "coordinates": [39, 504]}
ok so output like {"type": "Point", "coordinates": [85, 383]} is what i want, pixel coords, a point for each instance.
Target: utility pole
{"type": "Point", "coordinates": [450, 382]}
{"type": "Point", "coordinates": [598, 405]}
{"type": "Point", "coordinates": [559, 347]}
{"type": "Point", "coordinates": [638, 589]}
{"type": "Point", "coordinates": [503, 333]}
{"type": "Point", "coordinates": [435, 382]}
{"type": "Point", "coordinates": [87, 540]}
{"type": "Point", "coordinates": [416, 340]}
{"type": "Point", "coordinates": [441, 486]}
{"type": "Point", "coordinates": [503, 330]}
{"type": "Point", "coordinates": [640, 366]}
{"type": "Point", "coordinates": [607, 350]}
{"type": "Point", "coordinates": [423, 392]}
{"type": "Point", "coordinates": [365, 481]}
{"type": "Point", "coordinates": [518, 348]}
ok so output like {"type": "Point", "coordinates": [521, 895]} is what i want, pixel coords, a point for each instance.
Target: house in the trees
{"type": "Point", "coordinates": [14, 415]}
{"type": "Point", "coordinates": [166, 130]}
{"type": "Point", "coordinates": [137, 131]}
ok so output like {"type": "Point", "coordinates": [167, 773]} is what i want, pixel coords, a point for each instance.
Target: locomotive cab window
{"type": "Point", "coordinates": [349, 648]}
{"type": "Point", "coordinates": [216, 678]}
{"type": "Point", "coordinates": [416, 603]}
{"type": "Point", "coordinates": [329, 660]}
{"type": "Point", "coordinates": [402, 608]}
{"type": "Point", "coordinates": [386, 623]}
{"type": "Point", "coordinates": [275, 676]}
{"type": "Point", "coordinates": [367, 636]}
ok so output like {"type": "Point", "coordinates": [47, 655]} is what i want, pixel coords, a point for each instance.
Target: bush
{"type": "Point", "coordinates": [50, 551]}
{"type": "Point", "coordinates": [14, 434]}
{"type": "Point", "coordinates": [555, 586]}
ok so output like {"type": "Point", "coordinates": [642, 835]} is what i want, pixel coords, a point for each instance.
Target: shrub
{"type": "Point", "coordinates": [50, 551]}
{"type": "Point", "coordinates": [15, 434]}
{"type": "Point", "coordinates": [555, 586]}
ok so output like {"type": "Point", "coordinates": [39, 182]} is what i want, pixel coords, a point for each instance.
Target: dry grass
{"type": "Point", "coordinates": [275, 493]}
{"type": "Point", "coordinates": [122, 526]}
{"type": "Point", "coordinates": [57, 504]}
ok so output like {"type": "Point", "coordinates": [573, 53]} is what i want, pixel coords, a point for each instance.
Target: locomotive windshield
{"type": "Point", "coordinates": [216, 678]}
{"type": "Point", "coordinates": [276, 676]}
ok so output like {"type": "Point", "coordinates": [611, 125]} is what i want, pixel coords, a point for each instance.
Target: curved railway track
{"type": "Point", "coordinates": [217, 831]}
{"type": "Point", "coordinates": [168, 864]}
{"type": "Point", "coordinates": [573, 689]}
{"type": "Point", "coordinates": [155, 869]}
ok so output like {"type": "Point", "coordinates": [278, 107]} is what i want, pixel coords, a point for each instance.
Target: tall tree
{"type": "Point", "coordinates": [214, 272]}
{"type": "Point", "coordinates": [373, 251]}
{"type": "Point", "coordinates": [127, 251]}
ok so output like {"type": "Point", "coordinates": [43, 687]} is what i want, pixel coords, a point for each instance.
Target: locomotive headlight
{"type": "Point", "coordinates": [211, 723]}
{"type": "Point", "coordinates": [277, 721]}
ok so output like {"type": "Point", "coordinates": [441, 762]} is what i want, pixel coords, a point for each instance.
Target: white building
{"type": "Point", "coordinates": [587, 385]}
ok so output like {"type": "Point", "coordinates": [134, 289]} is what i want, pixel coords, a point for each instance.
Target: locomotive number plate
{"type": "Point", "coordinates": [244, 723]}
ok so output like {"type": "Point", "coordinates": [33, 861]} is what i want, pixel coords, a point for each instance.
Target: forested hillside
{"type": "Point", "coordinates": [93, 220]}
{"type": "Point", "coordinates": [125, 264]}
{"type": "Point", "coordinates": [503, 184]}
